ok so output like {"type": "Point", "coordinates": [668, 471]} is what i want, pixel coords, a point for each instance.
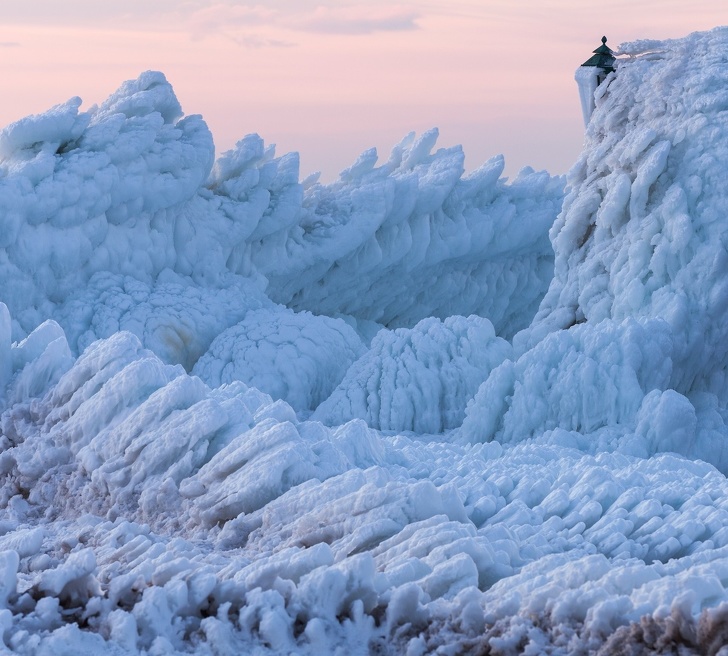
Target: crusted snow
{"type": "Point", "coordinates": [413, 411]}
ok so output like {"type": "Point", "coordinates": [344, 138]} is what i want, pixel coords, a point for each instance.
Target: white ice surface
{"type": "Point", "coordinates": [244, 414]}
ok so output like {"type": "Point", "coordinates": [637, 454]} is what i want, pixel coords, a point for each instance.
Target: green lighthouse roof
{"type": "Point", "coordinates": [603, 57]}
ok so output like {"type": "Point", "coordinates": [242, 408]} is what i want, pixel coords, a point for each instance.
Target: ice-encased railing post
{"type": "Point", "coordinates": [587, 81]}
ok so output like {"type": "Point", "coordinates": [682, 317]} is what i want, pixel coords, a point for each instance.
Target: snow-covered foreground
{"type": "Point", "coordinates": [412, 411]}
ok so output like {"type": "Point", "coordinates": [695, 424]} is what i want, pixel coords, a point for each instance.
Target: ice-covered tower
{"type": "Point", "coordinates": [591, 74]}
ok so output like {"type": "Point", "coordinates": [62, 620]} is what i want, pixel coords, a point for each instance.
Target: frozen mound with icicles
{"type": "Point", "coordinates": [241, 413]}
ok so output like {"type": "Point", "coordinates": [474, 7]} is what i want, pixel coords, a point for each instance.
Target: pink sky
{"type": "Point", "coordinates": [330, 79]}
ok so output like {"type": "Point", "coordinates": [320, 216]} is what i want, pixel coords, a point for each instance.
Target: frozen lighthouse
{"type": "Point", "coordinates": [591, 74]}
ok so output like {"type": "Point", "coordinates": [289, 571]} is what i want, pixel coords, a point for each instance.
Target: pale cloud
{"type": "Point", "coordinates": [9, 44]}
{"type": "Point", "coordinates": [256, 42]}
{"type": "Point", "coordinates": [215, 16]}
{"type": "Point", "coordinates": [109, 13]}
{"type": "Point", "coordinates": [247, 22]}
{"type": "Point", "coordinates": [356, 19]}
{"type": "Point", "coordinates": [253, 27]}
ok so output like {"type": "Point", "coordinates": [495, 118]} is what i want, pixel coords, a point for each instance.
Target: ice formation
{"type": "Point", "coordinates": [417, 379]}
{"type": "Point", "coordinates": [413, 411]}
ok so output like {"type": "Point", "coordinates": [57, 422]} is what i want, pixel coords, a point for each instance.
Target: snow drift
{"type": "Point", "coordinates": [247, 414]}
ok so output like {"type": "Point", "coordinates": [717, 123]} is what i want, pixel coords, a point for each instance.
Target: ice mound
{"type": "Point", "coordinates": [581, 380]}
{"type": "Point", "coordinates": [417, 379]}
{"type": "Point", "coordinates": [88, 192]}
{"type": "Point", "coordinates": [172, 317]}
{"type": "Point", "coordinates": [297, 357]}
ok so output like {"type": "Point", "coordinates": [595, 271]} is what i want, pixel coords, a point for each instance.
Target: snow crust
{"type": "Point", "coordinates": [413, 411]}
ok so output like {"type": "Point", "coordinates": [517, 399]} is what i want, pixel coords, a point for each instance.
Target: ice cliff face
{"type": "Point", "coordinates": [642, 232]}
{"type": "Point", "coordinates": [639, 297]}
{"type": "Point", "coordinates": [247, 414]}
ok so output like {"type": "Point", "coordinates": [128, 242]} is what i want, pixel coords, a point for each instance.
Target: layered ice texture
{"type": "Point", "coordinates": [412, 411]}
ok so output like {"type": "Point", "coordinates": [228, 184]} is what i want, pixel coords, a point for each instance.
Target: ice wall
{"type": "Point", "coordinates": [129, 189]}
{"type": "Point", "coordinates": [415, 238]}
{"type": "Point", "coordinates": [118, 218]}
